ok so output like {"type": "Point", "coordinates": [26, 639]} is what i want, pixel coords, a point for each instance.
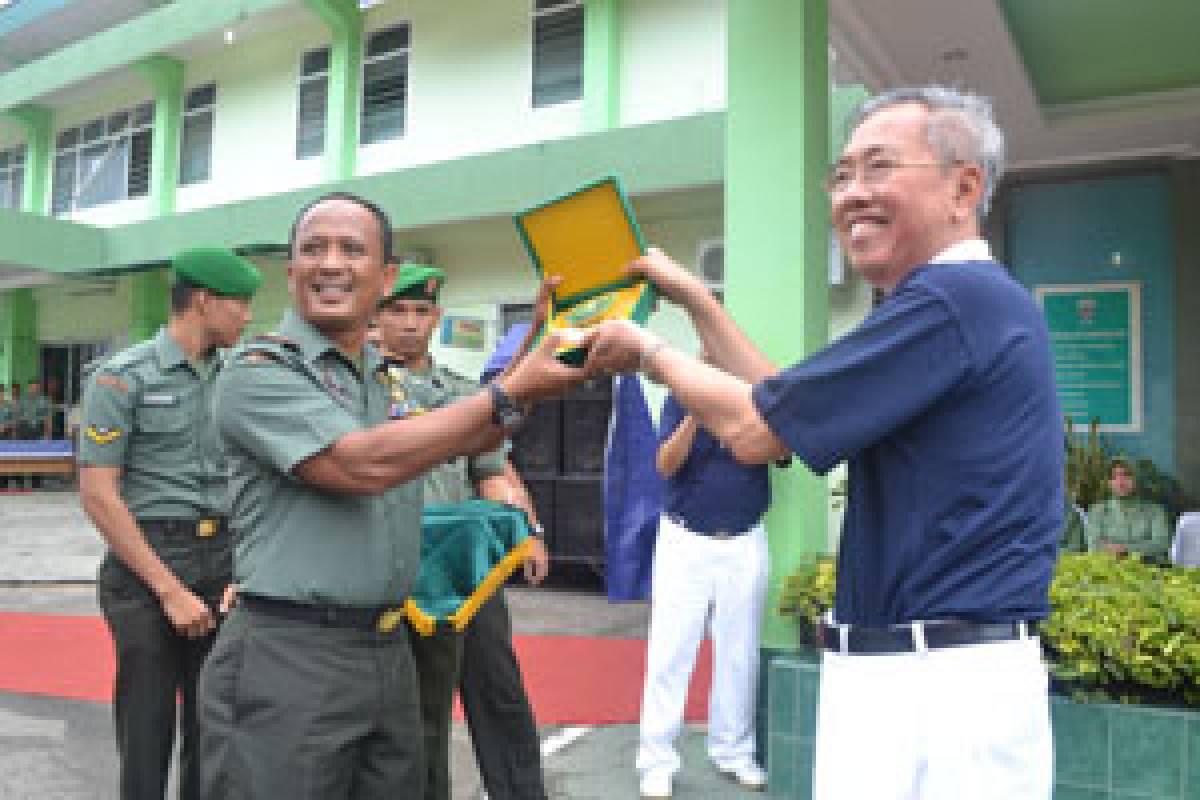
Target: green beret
{"type": "Point", "coordinates": [417, 282]}
{"type": "Point", "coordinates": [218, 270]}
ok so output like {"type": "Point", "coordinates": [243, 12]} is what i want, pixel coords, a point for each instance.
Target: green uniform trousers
{"type": "Point", "coordinates": [499, 717]}
{"type": "Point", "coordinates": [438, 660]}
{"type": "Point", "coordinates": [296, 710]}
{"type": "Point", "coordinates": [157, 668]}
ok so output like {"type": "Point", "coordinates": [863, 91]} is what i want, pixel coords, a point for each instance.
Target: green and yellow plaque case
{"type": "Point", "coordinates": [587, 237]}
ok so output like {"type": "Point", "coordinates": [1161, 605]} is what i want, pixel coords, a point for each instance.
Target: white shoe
{"type": "Point", "coordinates": [656, 785]}
{"type": "Point", "coordinates": [748, 775]}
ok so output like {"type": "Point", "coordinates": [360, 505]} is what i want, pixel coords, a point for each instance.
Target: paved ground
{"type": "Point", "coordinates": [54, 749]}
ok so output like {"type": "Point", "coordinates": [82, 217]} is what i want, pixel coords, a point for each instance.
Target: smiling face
{"type": "Point", "coordinates": [406, 326]}
{"type": "Point", "coordinates": [912, 206]}
{"type": "Point", "coordinates": [337, 274]}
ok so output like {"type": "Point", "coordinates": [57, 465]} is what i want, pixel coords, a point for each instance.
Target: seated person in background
{"type": "Point", "coordinates": [1123, 523]}
{"type": "Point", "coordinates": [1072, 539]}
{"type": "Point", "coordinates": [35, 413]}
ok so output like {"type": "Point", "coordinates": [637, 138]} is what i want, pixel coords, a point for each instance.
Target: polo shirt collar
{"type": "Point", "coordinates": [314, 344]}
{"type": "Point", "coordinates": [966, 250]}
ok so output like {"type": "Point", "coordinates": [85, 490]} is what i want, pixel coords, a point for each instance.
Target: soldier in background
{"type": "Point", "coordinates": [153, 480]}
{"type": "Point", "coordinates": [407, 320]}
{"type": "Point", "coordinates": [1124, 523]}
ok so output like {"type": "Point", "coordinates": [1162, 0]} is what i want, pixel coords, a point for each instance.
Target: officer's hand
{"type": "Point", "coordinates": [229, 599]}
{"type": "Point", "coordinates": [538, 563]}
{"type": "Point", "coordinates": [189, 615]}
{"type": "Point", "coordinates": [616, 346]}
{"type": "Point", "coordinates": [670, 280]}
{"type": "Point", "coordinates": [539, 374]}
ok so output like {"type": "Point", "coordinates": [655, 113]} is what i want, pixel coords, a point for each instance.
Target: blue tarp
{"type": "Point", "coordinates": [633, 494]}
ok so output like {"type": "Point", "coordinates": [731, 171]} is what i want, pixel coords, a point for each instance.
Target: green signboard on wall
{"type": "Point", "coordinates": [1096, 333]}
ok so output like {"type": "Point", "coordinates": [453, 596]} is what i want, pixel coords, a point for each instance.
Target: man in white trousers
{"type": "Point", "coordinates": [711, 556]}
{"type": "Point", "coordinates": [942, 403]}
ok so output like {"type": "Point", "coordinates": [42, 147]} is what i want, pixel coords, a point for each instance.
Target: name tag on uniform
{"type": "Point", "coordinates": [160, 400]}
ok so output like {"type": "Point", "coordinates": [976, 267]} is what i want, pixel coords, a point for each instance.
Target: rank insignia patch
{"type": "Point", "coordinates": [103, 435]}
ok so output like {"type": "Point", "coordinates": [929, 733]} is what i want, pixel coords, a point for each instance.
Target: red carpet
{"type": "Point", "coordinates": [572, 680]}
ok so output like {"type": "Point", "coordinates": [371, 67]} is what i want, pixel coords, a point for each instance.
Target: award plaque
{"type": "Point", "coordinates": [587, 237]}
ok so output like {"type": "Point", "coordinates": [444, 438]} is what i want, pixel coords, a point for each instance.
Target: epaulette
{"type": "Point", "coordinates": [266, 347]}
{"type": "Point", "coordinates": [129, 357]}
{"type": "Point", "coordinates": [276, 338]}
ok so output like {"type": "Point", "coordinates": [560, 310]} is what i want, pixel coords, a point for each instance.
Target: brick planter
{"type": "Point", "coordinates": [1101, 752]}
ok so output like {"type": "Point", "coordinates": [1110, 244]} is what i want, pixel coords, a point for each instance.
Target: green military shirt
{"type": "Point", "coordinates": [1138, 525]}
{"type": "Point", "coordinates": [32, 414]}
{"type": "Point", "coordinates": [7, 418]}
{"type": "Point", "coordinates": [147, 410]}
{"type": "Point", "coordinates": [415, 391]}
{"type": "Point", "coordinates": [276, 405]}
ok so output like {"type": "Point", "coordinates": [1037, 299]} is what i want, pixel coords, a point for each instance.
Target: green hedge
{"type": "Point", "coordinates": [1119, 629]}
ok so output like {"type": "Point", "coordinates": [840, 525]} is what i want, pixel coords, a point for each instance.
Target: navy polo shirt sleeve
{"type": "Point", "coordinates": [899, 362]}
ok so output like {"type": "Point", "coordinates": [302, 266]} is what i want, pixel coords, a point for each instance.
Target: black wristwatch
{"type": "Point", "coordinates": [505, 412]}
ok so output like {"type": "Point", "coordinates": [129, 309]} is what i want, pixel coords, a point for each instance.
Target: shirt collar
{"type": "Point", "coordinates": [168, 351]}
{"type": "Point", "coordinates": [966, 250]}
{"type": "Point", "coordinates": [314, 344]}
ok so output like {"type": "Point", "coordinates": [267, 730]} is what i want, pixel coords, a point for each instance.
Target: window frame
{"type": "Point", "coordinates": [404, 52]}
{"type": "Point", "coordinates": [559, 7]}
{"type": "Point", "coordinates": [13, 173]}
{"type": "Point", "coordinates": [97, 132]}
{"type": "Point", "coordinates": [321, 76]}
{"type": "Point", "coordinates": [208, 110]}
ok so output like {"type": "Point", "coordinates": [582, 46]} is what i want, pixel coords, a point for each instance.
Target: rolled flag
{"type": "Point", "coordinates": [468, 551]}
{"type": "Point", "coordinates": [633, 494]}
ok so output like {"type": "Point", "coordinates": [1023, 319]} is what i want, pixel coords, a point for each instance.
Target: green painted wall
{"type": "Point", "coordinates": [149, 303]}
{"type": "Point", "coordinates": [165, 76]}
{"type": "Point", "coordinates": [36, 124]}
{"type": "Point", "coordinates": [345, 79]}
{"type": "Point", "coordinates": [18, 336]}
{"type": "Point", "coordinates": [1185, 207]}
{"type": "Point", "coordinates": [777, 226]}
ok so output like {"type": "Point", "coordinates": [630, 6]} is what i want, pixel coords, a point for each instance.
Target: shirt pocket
{"type": "Point", "coordinates": [166, 431]}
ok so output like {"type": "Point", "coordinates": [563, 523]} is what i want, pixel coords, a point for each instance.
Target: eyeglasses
{"type": "Point", "coordinates": [872, 172]}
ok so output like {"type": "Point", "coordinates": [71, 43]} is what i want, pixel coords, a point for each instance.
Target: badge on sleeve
{"type": "Point", "coordinates": [101, 435]}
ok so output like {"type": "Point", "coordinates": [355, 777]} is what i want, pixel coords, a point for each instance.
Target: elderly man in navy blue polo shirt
{"type": "Point", "coordinates": [710, 562]}
{"type": "Point", "coordinates": [942, 403]}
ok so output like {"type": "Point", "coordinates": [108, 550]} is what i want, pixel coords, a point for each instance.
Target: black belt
{"type": "Point", "coordinates": [715, 534]}
{"type": "Point", "coordinates": [202, 527]}
{"type": "Point", "coordinates": [381, 620]}
{"type": "Point", "coordinates": [861, 640]}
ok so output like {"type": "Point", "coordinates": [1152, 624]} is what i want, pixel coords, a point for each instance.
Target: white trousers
{"type": "Point", "coordinates": [694, 575]}
{"type": "Point", "coordinates": [950, 724]}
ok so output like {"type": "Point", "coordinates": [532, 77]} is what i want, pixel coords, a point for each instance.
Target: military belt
{"type": "Point", "coordinates": [381, 620]}
{"type": "Point", "coordinates": [202, 527]}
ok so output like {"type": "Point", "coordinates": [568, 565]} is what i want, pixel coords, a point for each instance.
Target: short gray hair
{"type": "Point", "coordinates": [961, 128]}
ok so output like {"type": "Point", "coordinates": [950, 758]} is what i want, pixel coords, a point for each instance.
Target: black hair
{"type": "Point", "coordinates": [181, 294]}
{"type": "Point", "coordinates": [381, 217]}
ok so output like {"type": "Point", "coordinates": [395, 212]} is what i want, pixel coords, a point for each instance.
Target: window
{"type": "Point", "coordinates": [195, 145]}
{"type": "Point", "coordinates": [310, 103]}
{"type": "Point", "coordinates": [385, 85]}
{"type": "Point", "coordinates": [557, 52]}
{"type": "Point", "coordinates": [710, 263]}
{"type": "Point", "coordinates": [103, 161]}
{"type": "Point", "coordinates": [12, 176]}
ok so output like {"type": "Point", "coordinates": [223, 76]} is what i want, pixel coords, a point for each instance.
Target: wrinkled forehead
{"type": "Point", "coordinates": [895, 129]}
{"type": "Point", "coordinates": [338, 216]}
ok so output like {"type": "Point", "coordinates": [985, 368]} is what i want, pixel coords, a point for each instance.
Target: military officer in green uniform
{"type": "Point", "coordinates": [6, 413]}
{"type": "Point", "coordinates": [153, 481]}
{"type": "Point", "coordinates": [1124, 524]}
{"type": "Point", "coordinates": [406, 320]}
{"type": "Point", "coordinates": [34, 413]}
{"type": "Point", "coordinates": [310, 692]}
